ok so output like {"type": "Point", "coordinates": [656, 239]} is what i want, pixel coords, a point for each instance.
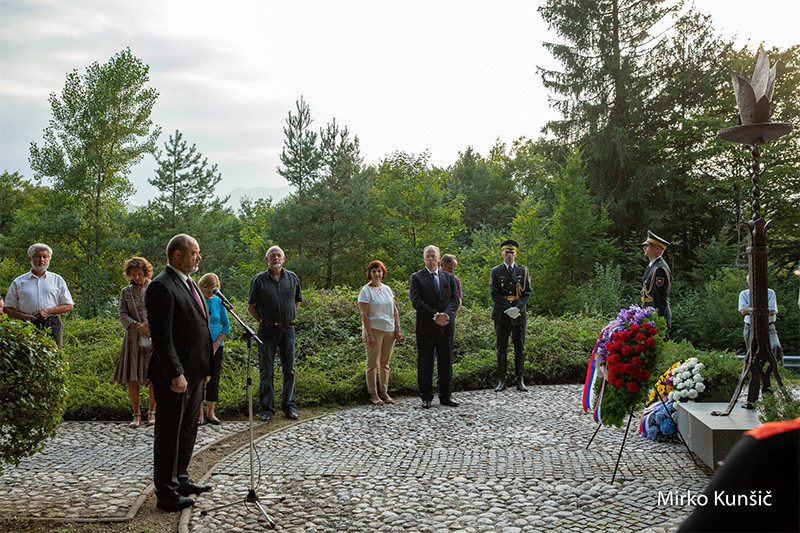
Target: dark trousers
{"type": "Point", "coordinates": [280, 340]}
{"type": "Point", "coordinates": [453, 340]}
{"type": "Point", "coordinates": [176, 431]}
{"type": "Point", "coordinates": [443, 345]}
{"type": "Point", "coordinates": [55, 328]}
{"type": "Point", "coordinates": [517, 333]}
{"type": "Point", "coordinates": [212, 387]}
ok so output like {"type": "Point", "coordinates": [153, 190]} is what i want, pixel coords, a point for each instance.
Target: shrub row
{"type": "Point", "coordinates": [330, 356]}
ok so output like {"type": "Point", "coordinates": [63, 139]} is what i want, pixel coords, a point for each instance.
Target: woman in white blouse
{"type": "Point", "coordinates": [381, 322]}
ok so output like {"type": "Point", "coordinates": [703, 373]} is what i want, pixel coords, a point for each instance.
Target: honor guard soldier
{"type": "Point", "coordinates": [657, 278]}
{"type": "Point", "coordinates": [510, 288]}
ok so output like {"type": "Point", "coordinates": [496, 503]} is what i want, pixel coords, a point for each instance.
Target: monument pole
{"type": "Point", "coordinates": [754, 99]}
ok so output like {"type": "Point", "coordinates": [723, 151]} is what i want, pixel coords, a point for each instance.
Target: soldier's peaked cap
{"type": "Point", "coordinates": [510, 244]}
{"type": "Point", "coordinates": [652, 238]}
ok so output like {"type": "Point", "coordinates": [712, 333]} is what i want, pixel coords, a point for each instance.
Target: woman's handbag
{"type": "Point", "coordinates": [144, 340]}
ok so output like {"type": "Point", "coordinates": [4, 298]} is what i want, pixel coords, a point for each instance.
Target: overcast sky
{"type": "Point", "coordinates": [411, 76]}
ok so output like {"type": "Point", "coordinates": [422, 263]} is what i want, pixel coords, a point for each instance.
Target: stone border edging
{"type": "Point", "coordinates": [186, 514]}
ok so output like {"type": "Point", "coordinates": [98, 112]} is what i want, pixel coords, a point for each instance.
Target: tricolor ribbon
{"type": "Point", "coordinates": [644, 422]}
{"type": "Point", "coordinates": [588, 386]}
{"type": "Point", "coordinates": [589, 398]}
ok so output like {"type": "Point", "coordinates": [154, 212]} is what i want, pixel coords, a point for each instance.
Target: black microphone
{"type": "Point", "coordinates": [221, 296]}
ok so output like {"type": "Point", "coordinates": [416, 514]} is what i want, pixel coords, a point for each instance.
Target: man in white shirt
{"type": "Point", "coordinates": [745, 310]}
{"type": "Point", "coordinates": [40, 296]}
{"type": "Point", "coordinates": [797, 273]}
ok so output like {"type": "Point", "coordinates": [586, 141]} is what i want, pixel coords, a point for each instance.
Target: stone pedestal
{"type": "Point", "coordinates": [712, 437]}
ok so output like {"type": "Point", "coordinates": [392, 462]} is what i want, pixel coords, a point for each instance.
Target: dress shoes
{"type": "Point", "coordinates": [213, 421]}
{"type": "Point", "coordinates": [521, 385]}
{"type": "Point", "coordinates": [189, 488]}
{"type": "Point", "coordinates": [426, 404]}
{"type": "Point", "coordinates": [177, 503]}
{"type": "Point", "coordinates": [501, 385]}
{"type": "Point", "coordinates": [292, 415]}
{"type": "Point", "coordinates": [449, 402]}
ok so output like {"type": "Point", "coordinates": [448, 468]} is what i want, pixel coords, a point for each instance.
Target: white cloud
{"type": "Point", "coordinates": [412, 76]}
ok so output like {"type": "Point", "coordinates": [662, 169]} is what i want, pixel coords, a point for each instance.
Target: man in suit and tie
{"type": "Point", "coordinates": [510, 288]}
{"type": "Point", "coordinates": [180, 362]}
{"type": "Point", "coordinates": [435, 297]}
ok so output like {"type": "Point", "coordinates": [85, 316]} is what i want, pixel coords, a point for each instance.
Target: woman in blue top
{"type": "Point", "coordinates": [220, 328]}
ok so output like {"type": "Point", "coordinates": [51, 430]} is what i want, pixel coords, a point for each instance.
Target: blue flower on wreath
{"type": "Point", "coordinates": [668, 427]}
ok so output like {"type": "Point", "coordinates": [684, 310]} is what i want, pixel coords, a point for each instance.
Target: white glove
{"type": "Point", "coordinates": [512, 312]}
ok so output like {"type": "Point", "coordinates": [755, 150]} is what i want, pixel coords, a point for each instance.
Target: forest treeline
{"type": "Point", "coordinates": [642, 88]}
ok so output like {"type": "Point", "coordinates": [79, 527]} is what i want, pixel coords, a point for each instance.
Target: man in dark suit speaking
{"type": "Point", "coordinates": [435, 297]}
{"type": "Point", "coordinates": [180, 362]}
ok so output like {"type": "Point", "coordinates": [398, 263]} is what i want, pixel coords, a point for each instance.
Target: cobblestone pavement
{"type": "Point", "coordinates": [90, 471]}
{"type": "Point", "coordinates": [508, 462]}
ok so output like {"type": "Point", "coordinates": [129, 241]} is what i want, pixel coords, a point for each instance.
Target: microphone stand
{"type": "Point", "coordinates": [251, 497]}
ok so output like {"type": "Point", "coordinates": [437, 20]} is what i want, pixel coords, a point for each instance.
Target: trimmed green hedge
{"type": "Point", "coordinates": [330, 356]}
{"type": "Point", "coordinates": [32, 389]}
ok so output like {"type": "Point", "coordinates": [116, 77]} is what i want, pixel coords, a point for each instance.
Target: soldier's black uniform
{"type": "Point", "coordinates": [510, 288]}
{"type": "Point", "coordinates": [656, 283]}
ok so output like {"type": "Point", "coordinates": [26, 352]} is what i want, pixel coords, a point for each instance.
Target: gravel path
{"type": "Point", "coordinates": [91, 471]}
{"type": "Point", "coordinates": [508, 462]}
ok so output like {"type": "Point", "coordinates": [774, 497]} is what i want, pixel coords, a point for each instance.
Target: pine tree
{"type": "Point", "coordinates": [555, 238]}
{"type": "Point", "coordinates": [330, 227]}
{"type": "Point", "coordinates": [300, 155]}
{"type": "Point", "coordinates": [186, 183]}
{"type": "Point", "coordinates": [341, 204]}
{"type": "Point", "coordinates": [603, 88]}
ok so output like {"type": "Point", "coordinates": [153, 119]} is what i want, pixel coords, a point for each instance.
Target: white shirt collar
{"type": "Point", "coordinates": [33, 274]}
{"type": "Point", "coordinates": [512, 265]}
{"type": "Point", "coordinates": [432, 271]}
{"type": "Point", "coordinates": [654, 260]}
{"type": "Point", "coordinates": [183, 276]}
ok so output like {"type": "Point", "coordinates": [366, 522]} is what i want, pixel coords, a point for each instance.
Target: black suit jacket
{"type": "Point", "coordinates": [428, 303]}
{"type": "Point", "coordinates": [179, 330]}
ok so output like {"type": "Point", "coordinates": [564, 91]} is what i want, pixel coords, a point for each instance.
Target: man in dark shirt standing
{"type": "Point", "coordinates": [274, 299]}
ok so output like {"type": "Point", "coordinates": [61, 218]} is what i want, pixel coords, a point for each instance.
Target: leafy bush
{"type": "Point", "coordinates": [709, 316]}
{"type": "Point", "coordinates": [92, 347]}
{"type": "Point", "coordinates": [558, 349]}
{"type": "Point", "coordinates": [330, 355]}
{"type": "Point", "coordinates": [780, 405]}
{"type": "Point", "coordinates": [32, 389]}
{"type": "Point", "coordinates": [601, 295]}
